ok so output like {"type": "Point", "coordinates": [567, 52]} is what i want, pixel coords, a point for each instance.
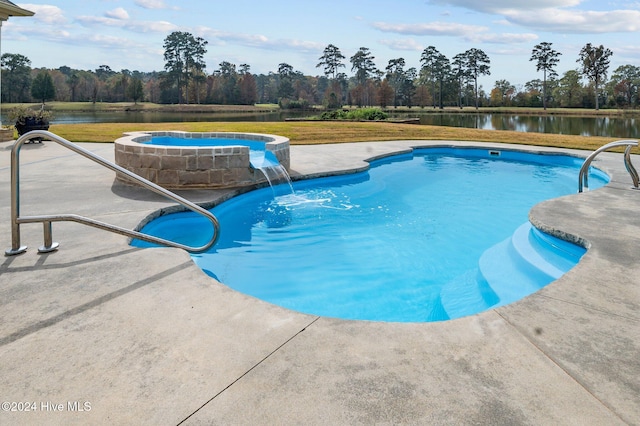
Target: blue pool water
{"type": "Point", "coordinates": [176, 141]}
{"type": "Point", "coordinates": [437, 234]}
{"type": "Point", "coordinates": [258, 155]}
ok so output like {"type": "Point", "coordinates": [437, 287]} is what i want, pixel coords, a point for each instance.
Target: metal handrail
{"type": "Point", "coordinates": [629, 166]}
{"type": "Point", "coordinates": [583, 176]}
{"type": "Point", "coordinates": [49, 245]}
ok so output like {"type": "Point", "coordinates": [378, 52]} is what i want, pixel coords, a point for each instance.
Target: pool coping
{"type": "Point", "coordinates": [163, 344]}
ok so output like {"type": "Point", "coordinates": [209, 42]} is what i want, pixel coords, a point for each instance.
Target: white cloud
{"type": "Point", "coordinates": [471, 33]}
{"type": "Point", "coordinates": [252, 40]}
{"type": "Point", "coordinates": [46, 14]}
{"type": "Point", "coordinates": [299, 45]}
{"type": "Point", "coordinates": [572, 21]}
{"type": "Point", "coordinates": [504, 38]}
{"type": "Point", "coordinates": [152, 27]}
{"type": "Point", "coordinates": [53, 34]}
{"type": "Point", "coordinates": [561, 16]}
{"type": "Point", "coordinates": [29, 32]}
{"type": "Point", "coordinates": [118, 13]}
{"type": "Point", "coordinates": [111, 42]}
{"type": "Point", "coordinates": [97, 20]}
{"type": "Point", "coordinates": [135, 26]}
{"type": "Point", "coordinates": [627, 54]}
{"type": "Point", "coordinates": [498, 6]}
{"type": "Point", "coordinates": [629, 50]}
{"type": "Point", "coordinates": [258, 41]}
{"type": "Point", "coordinates": [431, 28]}
{"type": "Point", "coordinates": [153, 4]}
{"type": "Point", "coordinates": [503, 22]}
{"type": "Point", "coordinates": [406, 44]}
{"type": "Point", "coordinates": [511, 51]}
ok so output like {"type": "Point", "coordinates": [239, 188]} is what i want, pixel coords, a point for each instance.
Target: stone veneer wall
{"type": "Point", "coordinates": [195, 167]}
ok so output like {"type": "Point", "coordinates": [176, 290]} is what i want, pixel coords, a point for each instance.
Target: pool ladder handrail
{"type": "Point", "coordinates": [583, 176]}
{"type": "Point", "coordinates": [49, 245]}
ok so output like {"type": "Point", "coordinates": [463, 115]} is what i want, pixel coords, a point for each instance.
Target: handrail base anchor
{"type": "Point", "coordinates": [48, 245]}
{"type": "Point", "coordinates": [14, 252]}
{"type": "Point", "coordinates": [48, 249]}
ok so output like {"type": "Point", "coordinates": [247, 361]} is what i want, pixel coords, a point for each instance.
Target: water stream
{"type": "Point", "coordinates": [273, 171]}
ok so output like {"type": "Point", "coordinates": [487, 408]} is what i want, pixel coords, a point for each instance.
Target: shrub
{"type": "Point", "coordinates": [293, 104]}
{"type": "Point", "coordinates": [20, 115]}
{"type": "Point", "coordinates": [372, 114]}
{"type": "Point", "coordinates": [362, 114]}
{"type": "Point", "coordinates": [337, 114]}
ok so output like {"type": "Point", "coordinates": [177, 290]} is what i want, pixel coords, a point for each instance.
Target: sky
{"type": "Point", "coordinates": [129, 34]}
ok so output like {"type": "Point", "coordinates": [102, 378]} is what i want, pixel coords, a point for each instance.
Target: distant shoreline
{"type": "Point", "coordinates": [104, 107]}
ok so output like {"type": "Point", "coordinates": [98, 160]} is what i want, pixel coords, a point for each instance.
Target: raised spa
{"type": "Point", "coordinates": [179, 160]}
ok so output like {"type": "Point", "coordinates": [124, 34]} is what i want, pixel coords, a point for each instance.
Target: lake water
{"type": "Point", "coordinates": [165, 117]}
{"type": "Point", "coordinates": [617, 127]}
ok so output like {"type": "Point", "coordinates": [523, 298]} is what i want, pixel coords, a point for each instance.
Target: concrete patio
{"type": "Point", "coordinates": [103, 333]}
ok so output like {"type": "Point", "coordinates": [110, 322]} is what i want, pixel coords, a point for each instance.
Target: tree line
{"type": "Point", "coordinates": [439, 81]}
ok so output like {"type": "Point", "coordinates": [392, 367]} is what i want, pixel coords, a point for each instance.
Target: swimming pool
{"type": "Point", "coordinates": [425, 236]}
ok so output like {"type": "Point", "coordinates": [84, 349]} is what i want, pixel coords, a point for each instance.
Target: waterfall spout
{"type": "Point", "coordinates": [273, 171]}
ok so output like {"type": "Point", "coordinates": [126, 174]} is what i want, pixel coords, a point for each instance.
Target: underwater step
{"type": "Point", "coordinates": [567, 254]}
{"type": "Point", "coordinates": [526, 262]}
{"type": "Point", "coordinates": [530, 251]}
{"type": "Point", "coordinates": [467, 293]}
{"type": "Point", "coordinates": [544, 252]}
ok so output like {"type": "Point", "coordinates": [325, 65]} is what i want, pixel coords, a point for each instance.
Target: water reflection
{"type": "Point", "coordinates": [617, 127]}
{"type": "Point", "coordinates": [166, 117]}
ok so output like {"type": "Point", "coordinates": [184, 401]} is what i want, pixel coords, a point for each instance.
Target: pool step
{"type": "Point", "coordinates": [564, 254]}
{"type": "Point", "coordinates": [516, 267]}
{"type": "Point", "coordinates": [466, 294]}
{"type": "Point", "coordinates": [526, 262]}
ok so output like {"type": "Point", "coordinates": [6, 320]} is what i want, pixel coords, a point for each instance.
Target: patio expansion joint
{"type": "Point", "coordinates": [558, 364]}
{"type": "Point", "coordinates": [253, 367]}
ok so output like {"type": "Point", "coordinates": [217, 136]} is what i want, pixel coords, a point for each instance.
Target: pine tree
{"type": "Point", "coordinates": [42, 87]}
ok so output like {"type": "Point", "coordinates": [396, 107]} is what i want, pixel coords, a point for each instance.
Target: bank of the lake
{"type": "Point", "coordinates": [88, 107]}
